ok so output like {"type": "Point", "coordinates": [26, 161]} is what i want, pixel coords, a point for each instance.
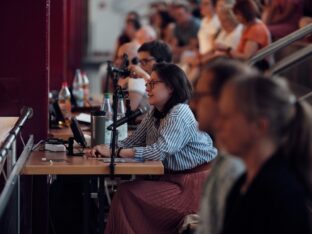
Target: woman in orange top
{"type": "Point", "coordinates": [255, 34]}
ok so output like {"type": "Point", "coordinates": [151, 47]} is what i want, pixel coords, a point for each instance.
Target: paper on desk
{"type": "Point", "coordinates": [82, 117]}
{"type": "Point", "coordinates": [122, 160]}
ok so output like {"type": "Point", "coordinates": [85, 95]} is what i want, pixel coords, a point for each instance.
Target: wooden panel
{"type": "Point", "coordinates": [6, 124]}
{"type": "Point", "coordinates": [55, 165]}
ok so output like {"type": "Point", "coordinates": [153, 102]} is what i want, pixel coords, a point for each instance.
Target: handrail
{"type": "Point", "coordinates": [12, 180]}
{"type": "Point", "coordinates": [291, 60]}
{"type": "Point", "coordinates": [26, 113]}
{"type": "Point", "coordinates": [281, 43]}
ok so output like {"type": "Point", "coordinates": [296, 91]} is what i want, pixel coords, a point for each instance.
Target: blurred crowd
{"type": "Point", "coordinates": [246, 113]}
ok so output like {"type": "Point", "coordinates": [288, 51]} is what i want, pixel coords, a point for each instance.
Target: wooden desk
{"type": "Point", "coordinates": [6, 124]}
{"type": "Point", "coordinates": [84, 166]}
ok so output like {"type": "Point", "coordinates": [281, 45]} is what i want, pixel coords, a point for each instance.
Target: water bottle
{"type": "Point", "coordinates": [86, 88]}
{"type": "Point", "coordinates": [77, 89]}
{"type": "Point", "coordinates": [121, 112]}
{"type": "Point", "coordinates": [107, 108]}
{"type": "Point", "coordinates": [64, 102]}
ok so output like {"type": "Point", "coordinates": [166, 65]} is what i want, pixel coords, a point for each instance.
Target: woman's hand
{"type": "Point", "coordinates": [100, 151]}
{"type": "Point", "coordinates": [138, 72]}
{"type": "Point", "coordinates": [220, 46]}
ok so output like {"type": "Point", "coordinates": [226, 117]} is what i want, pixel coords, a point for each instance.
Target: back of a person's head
{"type": "Point", "coordinates": [223, 69]}
{"type": "Point", "coordinates": [135, 23]}
{"type": "Point", "coordinates": [178, 4]}
{"type": "Point", "coordinates": [260, 96]}
{"type": "Point", "coordinates": [247, 8]}
{"type": "Point", "coordinates": [174, 77]}
{"type": "Point", "coordinates": [133, 15]}
{"type": "Point", "coordinates": [157, 49]}
{"type": "Point", "coordinates": [130, 49]}
{"type": "Point", "coordinates": [165, 18]}
{"type": "Point", "coordinates": [146, 34]}
{"type": "Point", "coordinates": [290, 120]}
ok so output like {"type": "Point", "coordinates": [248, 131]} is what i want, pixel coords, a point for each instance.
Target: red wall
{"type": "Point", "coordinates": [68, 33]}
{"type": "Point", "coordinates": [40, 44]}
{"type": "Point", "coordinates": [24, 64]}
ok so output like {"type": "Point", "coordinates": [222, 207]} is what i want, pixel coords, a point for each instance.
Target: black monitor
{"type": "Point", "coordinates": [78, 135]}
{"type": "Point", "coordinates": [56, 115]}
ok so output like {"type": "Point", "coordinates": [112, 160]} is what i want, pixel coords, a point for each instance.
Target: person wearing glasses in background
{"type": "Point", "coordinates": [169, 133]}
{"type": "Point", "coordinates": [148, 54]}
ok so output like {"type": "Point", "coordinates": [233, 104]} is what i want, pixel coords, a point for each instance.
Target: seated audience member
{"type": "Point", "coordinates": [207, 33]}
{"type": "Point", "coordinates": [229, 36]}
{"type": "Point", "coordinates": [282, 16]}
{"type": "Point", "coordinates": [209, 28]}
{"type": "Point", "coordinates": [185, 31]}
{"type": "Point", "coordinates": [128, 33]}
{"type": "Point", "coordinates": [225, 168]}
{"type": "Point", "coordinates": [263, 124]}
{"type": "Point", "coordinates": [164, 25]}
{"type": "Point", "coordinates": [231, 30]}
{"type": "Point", "coordinates": [136, 88]}
{"type": "Point", "coordinates": [168, 133]}
{"type": "Point", "coordinates": [145, 34]}
{"type": "Point", "coordinates": [304, 21]}
{"type": "Point", "coordinates": [133, 15]}
{"type": "Point", "coordinates": [149, 54]}
{"type": "Point", "coordinates": [255, 34]}
{"type": "Point", "coordinates": [130, 49]}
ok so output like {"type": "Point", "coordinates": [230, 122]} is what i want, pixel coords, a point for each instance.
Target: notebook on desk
{"type": "Point", "coordinates": [122, 160]}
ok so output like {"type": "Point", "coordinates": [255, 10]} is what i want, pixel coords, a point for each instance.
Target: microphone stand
{"type": "Point", "coordinates": [114, 139]}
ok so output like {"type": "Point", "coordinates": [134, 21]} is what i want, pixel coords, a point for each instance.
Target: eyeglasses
{"type": "Point", "coordinates": [145, 61]}
{"type": "Point", "coordinates": [151, 84]}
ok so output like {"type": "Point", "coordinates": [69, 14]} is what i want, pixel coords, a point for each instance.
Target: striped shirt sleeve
{"type": "Point", "coordinates": [173, 137]}
{"type": "Point", "coordinates": [138, 137]}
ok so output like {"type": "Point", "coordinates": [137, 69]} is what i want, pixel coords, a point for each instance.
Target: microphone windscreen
{"type": "Point", "coordinates": [135, 61]}
{"type": "Point", "coordinates": [24, 111]}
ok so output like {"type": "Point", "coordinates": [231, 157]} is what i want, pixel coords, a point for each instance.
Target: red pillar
{"type": "Point", "coordinates": [24, 61]}
{"type": "Point", "coordinates": [58, 43]}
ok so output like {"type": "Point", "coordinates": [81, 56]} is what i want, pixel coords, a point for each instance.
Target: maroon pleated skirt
{"type": "Point", "coordinates": [156, 206]}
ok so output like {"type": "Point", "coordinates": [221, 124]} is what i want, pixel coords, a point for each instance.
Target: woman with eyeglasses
{"type": "Point", "coordinates": [168, 133]}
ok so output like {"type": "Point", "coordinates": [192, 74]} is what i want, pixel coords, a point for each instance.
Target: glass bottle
{"type": "Point", "coordinates": [77, 89]}
{"type": "Point", "coordinates": [64, 102]}
{"type": "Point", "coordinates": [86, 88]}
{"type": "Point", "coordinates": [107, 108]}
{"type": "Point", "coordinates": [121, 112]}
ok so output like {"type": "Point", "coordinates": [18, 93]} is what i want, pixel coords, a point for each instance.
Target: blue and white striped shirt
{"type": "Point", "coordinates": [177, 142]}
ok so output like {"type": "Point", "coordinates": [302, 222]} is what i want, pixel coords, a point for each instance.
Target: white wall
{"type": "Point", "coordinates": [106, 18]}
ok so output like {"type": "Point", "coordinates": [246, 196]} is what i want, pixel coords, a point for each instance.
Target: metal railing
{"type": "Point", "coordinates": [26, 113]}
{"type": "Point", "coordinates": [13, 179]}
{"type": "Point", "coordinates": [281, 43]}
{"type": "Point", "coordinates": [10, 194]}
{"type": "Point", "coordinates": [291, 60]}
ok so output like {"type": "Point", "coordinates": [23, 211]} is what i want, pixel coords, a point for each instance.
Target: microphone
{"type": "Point", "coordinates": [135, 61]}
{"type": "Point", "coordinates": [125, 119]}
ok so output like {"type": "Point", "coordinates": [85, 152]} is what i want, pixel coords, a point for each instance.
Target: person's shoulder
{"type": "Point", "coordinates": [277, 178]}
{"type": "Point", "coordinates": [180, 109]}
{"type": "Point", "coordinates": [181, 112]}
{"type": "Point", "coordinates": [228, 165]}
{"type": "Point", "coordinates": [259, 26]}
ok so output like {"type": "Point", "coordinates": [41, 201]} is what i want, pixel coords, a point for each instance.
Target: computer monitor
{"type": "Point", "coordinates": [78, 135]}
{"type": "Point", "coordinates": [56, 115]}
